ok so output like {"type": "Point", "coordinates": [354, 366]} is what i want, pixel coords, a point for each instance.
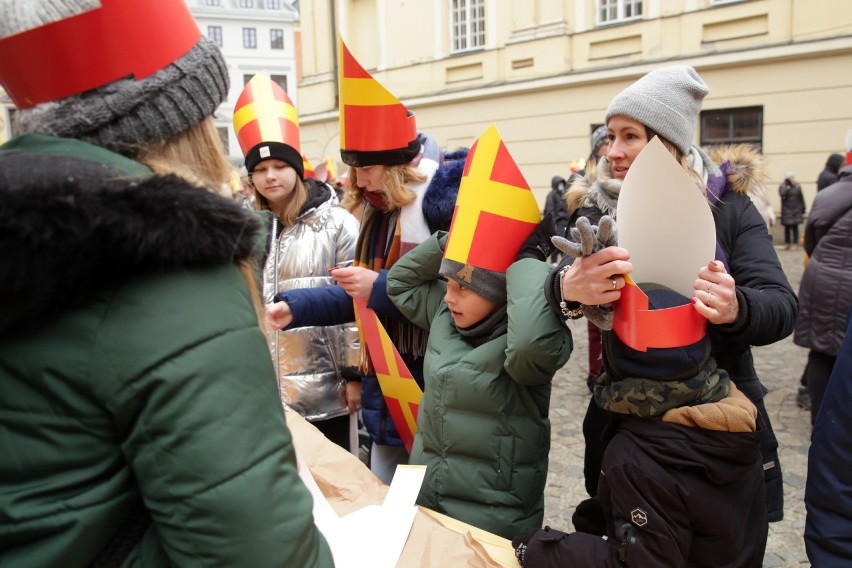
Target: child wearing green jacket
{"type": "Point", "coordinates": [493, 348]}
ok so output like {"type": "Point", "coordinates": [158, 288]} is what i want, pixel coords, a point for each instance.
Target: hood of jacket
{"type": "Point", "coordinates": [71, 228]}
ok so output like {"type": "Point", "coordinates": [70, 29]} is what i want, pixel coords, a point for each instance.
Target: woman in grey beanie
{"type": "Point", "coordinates": [141, 423]}
{"type": "Point", "coordinates": [742, 292]}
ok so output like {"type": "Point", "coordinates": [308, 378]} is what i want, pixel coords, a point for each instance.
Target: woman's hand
{"type": "Point", "coordinates": [715, 294]}
{"type": "Point", "coordinates": [598, 278]}
{"type": "Point", "coordinates": [278, 315]}
{"type": "Point", "coordinates": [353, 396]}
{"type": "Point", "coordinates": [356, 281]}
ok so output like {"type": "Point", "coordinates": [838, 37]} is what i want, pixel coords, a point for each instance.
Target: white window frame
{"type": "Point", "coordinates": [214, 34]}
{"type": "Point", "coordinates": [273, 4]}
{"type": "Point", "coordinates": [467, 25]}
{"type": "Point", "coordinates": [279, 32]}
{"type": "Point", "coordinates": [618, 11]}
{"type": "Point", "coordinates": [250, 38]}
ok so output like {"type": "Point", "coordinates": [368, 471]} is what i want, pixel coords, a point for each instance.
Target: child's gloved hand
{"type": "Point", "coordinates": [587, 240]}
{"type": "Point", "coordinates": [538, 245]}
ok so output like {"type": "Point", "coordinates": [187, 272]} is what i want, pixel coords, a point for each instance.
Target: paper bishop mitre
{"type": "Point", "coordinates": [494, 214]}
{"type": "Point", "coordinates": [666, 224]}
{"type": "Point", "coordinates": [267, 125]}
{"type": "Point", "coordinates": [375, 127]}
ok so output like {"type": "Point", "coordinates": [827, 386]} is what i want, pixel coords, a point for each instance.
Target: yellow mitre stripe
{"type": "Point", "coordinates": [366, 92]}
{"type": "Point", "coordinates": [478, 193]}
{"type": "Point", "coordinates": [266, 109]}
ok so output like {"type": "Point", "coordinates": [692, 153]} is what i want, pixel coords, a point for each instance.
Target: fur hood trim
{"type": "Point", "coordinates": [65, 241]}
{"type": "Point", "coordinates": [746, 170]}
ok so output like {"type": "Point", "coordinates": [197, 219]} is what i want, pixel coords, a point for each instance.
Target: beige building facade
{"type": "Point", "coordinates": [544, 71]}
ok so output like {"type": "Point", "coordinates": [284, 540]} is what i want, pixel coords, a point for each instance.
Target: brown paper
{"type": "Point", "coordinates": [435, 541]}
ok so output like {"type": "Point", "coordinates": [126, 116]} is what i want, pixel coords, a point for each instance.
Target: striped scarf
{"type": "Point", "coordinates": [384, 237]}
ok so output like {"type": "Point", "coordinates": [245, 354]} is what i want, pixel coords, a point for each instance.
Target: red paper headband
{"type": "Point", "coordinates": [95, 48]}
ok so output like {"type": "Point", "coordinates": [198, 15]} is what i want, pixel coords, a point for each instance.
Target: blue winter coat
{"type": "Point", "coordinates": [828, 493]}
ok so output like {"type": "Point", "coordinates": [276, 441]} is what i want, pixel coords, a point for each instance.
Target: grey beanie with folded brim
{"type": "Point", "coordinates": [666, 100]}
{"type": "Point", "coordinates": [489, 284]}
{"type": "Point", "coordinates": [127, 115]}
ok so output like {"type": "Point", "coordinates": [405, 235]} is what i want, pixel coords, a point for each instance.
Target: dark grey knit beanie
{"type": "Point", "coordinates": [489, 284]}
{"type": "Point", "coordinates": [666, 100]}
{"type": "Point", "coordinates": [125, 115]}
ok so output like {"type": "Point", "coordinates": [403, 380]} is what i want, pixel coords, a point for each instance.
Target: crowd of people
{"type": "Point", "coordinates": [154, 332]}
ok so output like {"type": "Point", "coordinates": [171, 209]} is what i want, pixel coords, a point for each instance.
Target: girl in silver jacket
{"type": "Point", "coordinates": [309, 234]}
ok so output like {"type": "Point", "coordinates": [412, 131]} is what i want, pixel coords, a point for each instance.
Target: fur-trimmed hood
{"type": "Point", "coordinates": [746, 169]}
{"type": "Point", "coordinates": [67, 235]}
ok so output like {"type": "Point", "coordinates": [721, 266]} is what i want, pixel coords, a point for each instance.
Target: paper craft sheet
{"type": "Point", "coordinates": [664, 221]}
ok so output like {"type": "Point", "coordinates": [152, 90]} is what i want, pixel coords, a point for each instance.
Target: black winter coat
{"type": "Point", "coordinates": [792, 203]}
{"type": "Point", "coordinates": [669, 490]}
{"type": "Point", "coordinates": [826, 289]}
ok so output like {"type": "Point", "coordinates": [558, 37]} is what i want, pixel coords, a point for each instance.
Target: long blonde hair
{"type": "Point", "coordinates": [197, 155]}
{"type": "Point", "coordinates": [394, 182]}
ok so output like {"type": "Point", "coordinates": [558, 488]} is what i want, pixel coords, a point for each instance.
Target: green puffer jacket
{"type": "Point", "coordinates": [133, 371]}
{"type": "Point", "coordinates": [483, 428]}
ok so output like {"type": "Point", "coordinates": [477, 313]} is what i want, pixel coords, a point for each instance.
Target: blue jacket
{"type": "Point", "coordinates": [828, 492]}
{"type": "Point", "coordinates": [332, 305]}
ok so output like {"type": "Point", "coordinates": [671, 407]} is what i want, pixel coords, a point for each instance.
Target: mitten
{"type": "Point", "coordinates": [587, 240]}
{"type": "Point", "coordinates": [588, 517]}
{"type": "Point", "coordinates": [538, 245]}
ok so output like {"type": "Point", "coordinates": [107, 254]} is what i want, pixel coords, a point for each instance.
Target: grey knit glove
{"type": "Point", "coordinates": [589, 239]}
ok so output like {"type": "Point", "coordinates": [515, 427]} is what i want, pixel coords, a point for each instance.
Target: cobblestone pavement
{"type": "Point", "coordinates": [779, 366]}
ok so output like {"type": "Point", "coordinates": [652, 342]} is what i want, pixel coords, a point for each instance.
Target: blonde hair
{"type": "Point", "coordinates": [197, 155]}
{"type": "Point", "coordinates": [394, 185]}
{"type": "Point", "coordinates": [291, 210]}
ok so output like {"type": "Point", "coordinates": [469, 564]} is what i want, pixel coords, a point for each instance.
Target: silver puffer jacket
{"type": "Point", "coordinates": [309, 359]}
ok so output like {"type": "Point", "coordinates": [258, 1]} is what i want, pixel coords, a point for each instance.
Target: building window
{"type": "Point", "coordinates": [246, 3]}
{"type": "Point", "coordinates": [280, 79]}
{"type": "Point", "coordinates": [733, 126]}
{"type": "Point", "coordinates": [214, 34]}
{"type": "Point", "coordinates": [250, 38]}
{"type": "Point", "coordinates": [610, 11]}
{"type": "Point", "coordinates": [273, 4]}
{"type": "Point", "coordinates": [276, 39]}
{"type": "Point", "coordinates": [223, 135]}
{"type": "Point", "coordinates": [468, 24]}
{"type": "Point", "coordinates": [211, 2]}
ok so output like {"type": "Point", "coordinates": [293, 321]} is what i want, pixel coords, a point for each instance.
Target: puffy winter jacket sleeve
{"type": "Point", "coordinates": [414, 285]}
{"type": "Point", "coordinates": [329, 305]}
{"type": "Point", "coordinates": [768, 305]}
{"type": "Point", "coordinates": [197, 412]}
{"type": "Point", "coordinates": [538, 343]}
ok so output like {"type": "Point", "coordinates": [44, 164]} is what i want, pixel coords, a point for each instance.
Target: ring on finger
{"type": "Point", "coordinates": [614, 284]}
{"type": "Point", "coordinates": [708, 288]}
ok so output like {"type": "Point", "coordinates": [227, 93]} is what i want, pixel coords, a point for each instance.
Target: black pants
{"type": "Point", "coordinates": [335, 429]}
{"type": "Point", "coordinates": [791, 234]}
{"type": "Point", "coordinates": [817, 373]}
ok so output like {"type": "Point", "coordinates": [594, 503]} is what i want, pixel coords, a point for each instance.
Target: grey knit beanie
{"type": "Point", "coordinates": [489, 284]}
{"type": "Point", "coordinates": [666, 100]}
{"type": "Point", "coordinates": [598, 138]}
{"type": "Point", "coordinates": [125, 115]}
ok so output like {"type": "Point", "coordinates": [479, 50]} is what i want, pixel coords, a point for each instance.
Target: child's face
{"type": "Point", "coordinates": [275, 180]}
{"type": "Point", "coordinates": [466, 306]}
